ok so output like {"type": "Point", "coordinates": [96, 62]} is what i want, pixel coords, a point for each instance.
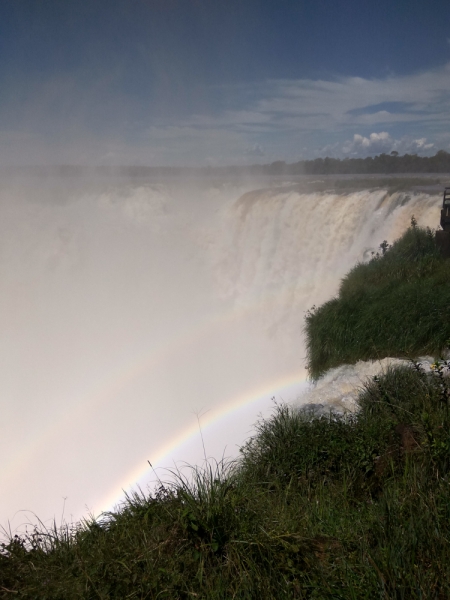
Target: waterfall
{"type": "Point", "coordinates": [129, 307]}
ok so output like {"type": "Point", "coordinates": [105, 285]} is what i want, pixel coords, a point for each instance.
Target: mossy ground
{"type": "Point", "coordinates": [317, 508]}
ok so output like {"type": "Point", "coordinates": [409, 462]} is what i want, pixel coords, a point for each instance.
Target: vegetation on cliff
{"type": "Point", "coordinates": [396, 305]}
{"type": "Point", "coordinates": [354, 507]}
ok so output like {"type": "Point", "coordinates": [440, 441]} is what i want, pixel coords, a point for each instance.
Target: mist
{"type": "Point", "coordinates": [137, 312]}
{"type": "Point", "coordinates": [114, 337]}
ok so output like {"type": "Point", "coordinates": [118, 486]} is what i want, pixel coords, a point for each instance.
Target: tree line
{"type": "Point", "coordinates": [383, 163]}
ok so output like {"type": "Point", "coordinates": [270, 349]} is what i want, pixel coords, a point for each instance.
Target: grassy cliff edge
{"type": "Point", "coordinates": [396, 305]}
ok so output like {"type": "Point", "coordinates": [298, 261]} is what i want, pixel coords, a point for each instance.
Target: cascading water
{"type": "Point", "coordinates": [125, 308]}
{"type": "Point", "coordinates": [289, 250]}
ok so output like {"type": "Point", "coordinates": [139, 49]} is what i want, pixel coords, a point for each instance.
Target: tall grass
{"type": "Point", "coordinates": [315, 508]}
{"type": "Point", "coordinates": [396, 305]}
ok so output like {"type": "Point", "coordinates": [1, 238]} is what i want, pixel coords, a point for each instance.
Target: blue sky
{"type": "Point", "coordinates": [196, 82]}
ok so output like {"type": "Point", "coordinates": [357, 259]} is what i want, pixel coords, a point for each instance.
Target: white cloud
{"type": "Point", "coordinates": [377, 143]}
{"type": "Point", "coordinates": [255, 150]}
{"type": "Point", "coordinates": [287, 113]}
{"type": "Point", "coordinates": [422, 143]}
{"type": "Point", "coordinates": [268, 120]}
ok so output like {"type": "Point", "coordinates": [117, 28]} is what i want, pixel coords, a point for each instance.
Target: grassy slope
{"type": "Point", "coordinates": [315, 508]}
{"type": "Point", "coordinates": [397, 305]}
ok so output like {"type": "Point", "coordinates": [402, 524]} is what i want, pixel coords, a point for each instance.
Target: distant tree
{"type": "Point", "coordinates": [382, 163]}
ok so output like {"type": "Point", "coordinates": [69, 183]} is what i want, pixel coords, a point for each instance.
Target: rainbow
{"type": "Point", "coordinates": [94, 398]}
{"type": "Point", "coordinates": [293, 384]}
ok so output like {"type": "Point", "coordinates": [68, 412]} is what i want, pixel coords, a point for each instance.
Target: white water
{"type": "Point", "coordinates": [127, 307]}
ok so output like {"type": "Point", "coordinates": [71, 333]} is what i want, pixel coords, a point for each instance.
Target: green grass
{"type": "Point", "coordinates": [396, 305]}
{"type": "Point", "coordinates": [326, 508]}
{"type": "Point", "coordinates": [320, 508]}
